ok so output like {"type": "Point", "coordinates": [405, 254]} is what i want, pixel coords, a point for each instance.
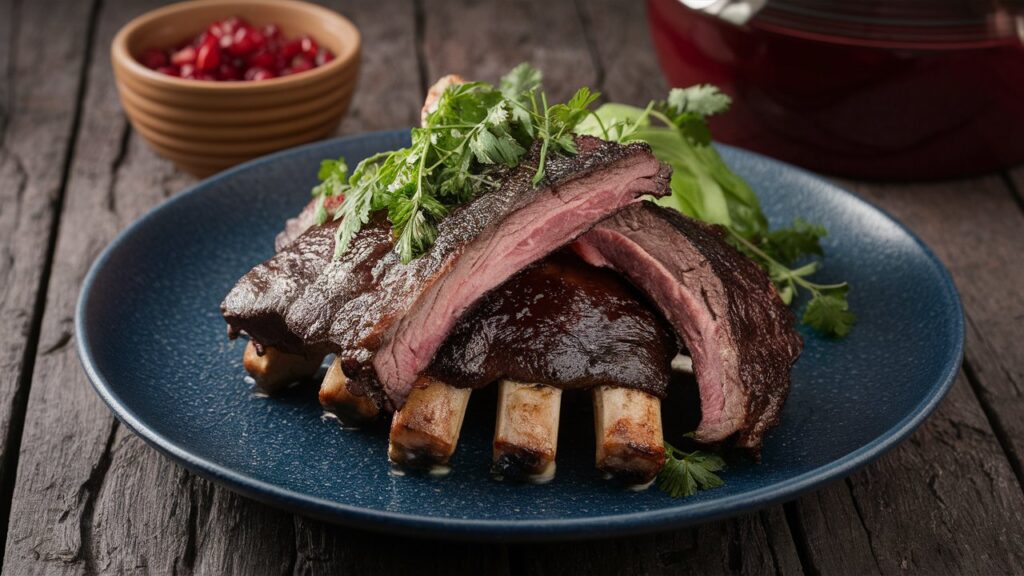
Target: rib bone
{"type": "Point", "coordinates": [336, 398]}
{"type": "Point", "coordinates": [274, 371]}
{"type": "Point", "coordinates": [627, 423]}
{"type": "Point", "coordinates": [526, 434]}
{"type": "Point", "coordinates": [425, 431]}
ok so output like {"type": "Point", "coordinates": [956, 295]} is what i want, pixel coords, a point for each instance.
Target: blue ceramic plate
{"type": "Point", "coordinates": [153, 343]}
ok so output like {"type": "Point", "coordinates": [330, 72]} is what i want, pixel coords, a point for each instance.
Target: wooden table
{"type": "Point", "coordinates": [82, 495]}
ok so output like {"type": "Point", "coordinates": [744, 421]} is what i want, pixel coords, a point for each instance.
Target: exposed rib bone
{"type": "Point", "coordinates": [336, 398]}
{"type": "Point", "coordinates": [682, 363]}
{"type": "Point", "coordinates": [425, 431]}
{"type": "Point", "coordinates": [274, 371]}
{"type": "Point", "coordinates": [434, 95]}
{"type": "Point", "coordinates": [526, 434]}
{"type": "Point", "coordinates": [627, 422]}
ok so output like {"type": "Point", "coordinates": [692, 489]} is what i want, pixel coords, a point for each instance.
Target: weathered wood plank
{"type": "Point", "coordinates": [483, 40]}
{"type": "Point", "coordinates": [389, 93]}
{"type": "Point", "coordinates": [618, 36]}
{"type": "Point", "coordinates": [828, 518]}
{"type": "Point", "coordinates": [39, 86]}
{"type": "Point", "coordinates": [757, 543]}
{"type": "Point", "coordinates": [947, 501]}
{"type": "Point", "coordinates": [989, 267]}
{"type": "Point", "coordinates": [69, 443]}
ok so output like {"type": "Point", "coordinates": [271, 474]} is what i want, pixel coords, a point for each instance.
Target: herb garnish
{"type": "Point", "coordinates": [476, 130]}
{"type": "Point", "coordinates": [684, 473]}
{"type": "Point", "coordinates": [703, 187]}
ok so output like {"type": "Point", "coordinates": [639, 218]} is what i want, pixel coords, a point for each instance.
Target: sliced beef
{"type": "Point", "coordinates": [739, 333]}
{"type": "Point", "coordinates": [388, 334]}
{"type": "Point", "coordinates": [564, 323]}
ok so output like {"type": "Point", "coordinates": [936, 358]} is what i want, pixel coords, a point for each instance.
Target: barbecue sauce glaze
{"type": "Point", "coordinates": [563, 323]}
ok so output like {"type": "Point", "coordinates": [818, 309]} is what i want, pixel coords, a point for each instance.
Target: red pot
{"type": "Point", "coordinates": [904, 99]}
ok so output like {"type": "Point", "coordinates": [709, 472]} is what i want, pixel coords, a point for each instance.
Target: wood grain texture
{"type": "Point", "coordinates": [68, 441]}
{"type": "Point", "coordinates": [38, 104]}
{"type": "Point", "coordinates": [988, 268]}
{"type": "Point", "coordinates": [829, 528]}
{"type": "Point", "coordinates": [389, 93]}
{"type": "Point", "coordinates": [621, 44]}
{"type": "Point", "coordinates": [484, 40]}
{"type": "Point", "coordinates": [946, 501]}
{"type": "Point", "coordinates": [756, 543]}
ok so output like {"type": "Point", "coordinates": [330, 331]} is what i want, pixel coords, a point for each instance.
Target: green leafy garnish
{"type": "Point", "coordinates": [684, 473]}
{"type": "Point", "coordinates": [479, 130]}
{"type": "Point", "coordinates": [828, 311]}
{"type": "Point", "coordinates": [476, 131]}
{"type": "Point", "coordinates": [705, 188]}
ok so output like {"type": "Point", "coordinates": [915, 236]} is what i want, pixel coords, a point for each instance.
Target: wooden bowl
{"type": "Point", "coordinates": [205, 126]}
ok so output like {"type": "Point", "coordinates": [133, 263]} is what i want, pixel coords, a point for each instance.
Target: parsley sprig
{"type": "Point", "coordinates": [704, 187]}
{"type": "Point", "coordinates": [828, 310]}
{"type": "Point", "coordinates": [684, 473]}
{"type": "Point", "coordinates": [477, 131]}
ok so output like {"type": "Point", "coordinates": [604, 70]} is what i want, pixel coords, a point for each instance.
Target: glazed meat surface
{"type": "Point", "coordinates": [562, 323]}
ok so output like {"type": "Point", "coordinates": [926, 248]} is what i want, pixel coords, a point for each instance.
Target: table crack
{"type": "Point", "coordinates": [88, 493]}
{"type": "Point", "coordinates": [998, 430]}
{"type": "Point", "coordinates": [115, 167]}
{"type": "Point", "coordinates": [860, 516]}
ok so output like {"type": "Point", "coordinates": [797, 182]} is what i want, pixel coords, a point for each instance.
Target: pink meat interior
{"type": "Point", "coordinates": [519, 240]}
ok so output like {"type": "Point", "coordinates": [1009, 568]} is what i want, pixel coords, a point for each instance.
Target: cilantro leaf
{"type": "Point", "coordinates": [787, 245]}
{"type": "Point", "coordinates": [519, 82]}
{"type": "Point", "coordinates": [829, 313]}
{"type": "Point", "coordinates": [685, 473]}
{"type": "Point", "coordinates": [702, 99]}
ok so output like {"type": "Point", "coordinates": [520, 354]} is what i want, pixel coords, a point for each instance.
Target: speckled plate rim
{"type": "Point", "coordinates": [524, 530]}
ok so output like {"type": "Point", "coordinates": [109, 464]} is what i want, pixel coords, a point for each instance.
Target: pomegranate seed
{"type": "Point", "coordinates": [153, 58]}
{"type": "Point", "coordinates": [200, 40]}
{"type": "Point", "coordinates": [262, 59]}
{"type": "Point", "coordinates": [324, 57]}
{"type": "Point", "coordinates": [233, 49]}
{"type": "Point", "coordinates": [291, 49]}
{"type": "Point", "coordinates": [259, 74]}
{"type": "Point", "coordinates": [272, 31]}
{"type": "Point", "coordinates": [301, 64]}
{"type": "Point", "coordinates": [234, 23]}
{"type": "Point", "coordinates": [246, 41]}
{"type": "Point", "coordinates": [308, 47]}
{"type": "Point", "coordinates": [208, 56]}
{"type": "Point", "coordinates": [186, 55]}
{"type": "Point", "coordinates": [228, 72]}
{"type": "Point", "coordinates": [215, 30]}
